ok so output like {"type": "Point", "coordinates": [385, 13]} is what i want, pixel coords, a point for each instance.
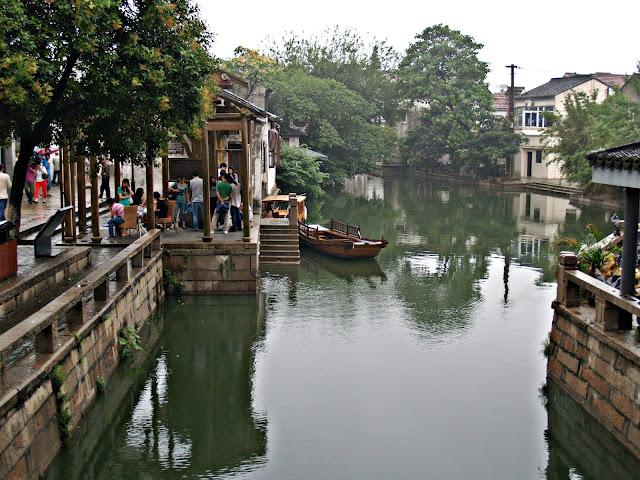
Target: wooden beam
{"type": "Point", "coordinates": [206, 188]}
{"type": "Point", "coordinates": [82, 195]}
{"type": "Point", "coordinates": [226, 116]}
{"type": "Point", "coordinates": [213, 125]}
{"type": "Point", "coordinates": [95, 201]}
{"type": "Point", "coordinates": [151, 213]}
{"type": "Point", "coordinates": [165, 176]}
{"type": "Point", "coordinates": [69, 222]}
{"type": "Point", "coordinates": [246, 197]}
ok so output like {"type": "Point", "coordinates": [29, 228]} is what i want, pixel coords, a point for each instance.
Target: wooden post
{"type": "Point", "coordinates": [151, 214]}
{"type": "Point", "coordinates": [82, 195]}
{"type": "Point", "coordinates": [246, 197]}
{"type": "Point", "coordinates": [117, 177]}
{"type": "Point", "coordinates": [69, 223]}
{"type": "Point", "coordinates": [95, 201]}
{"type": "Point", "coordinates": [206, 188]}
{"type": "Point", "coordinates": [165, 176]}
{"type": "Point", "coordinates": [628, 281]}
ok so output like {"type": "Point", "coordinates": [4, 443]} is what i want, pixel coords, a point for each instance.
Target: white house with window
{"type": "Point", "coordinates": [531, 161]}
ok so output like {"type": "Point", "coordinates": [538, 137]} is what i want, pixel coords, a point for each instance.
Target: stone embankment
{"type": "Point", "coordinates": [55, 361]}
{"type": "Point", "coordinates": [594, 355]}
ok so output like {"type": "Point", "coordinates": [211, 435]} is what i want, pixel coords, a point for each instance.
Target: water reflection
{"type": "Point", "coordinates": [579, 447]}
{"type": "Point", "coordinates": [193, 414]}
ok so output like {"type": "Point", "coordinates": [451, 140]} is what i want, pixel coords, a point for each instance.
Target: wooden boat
{"type": "Point", "coordinates": [340, 240]}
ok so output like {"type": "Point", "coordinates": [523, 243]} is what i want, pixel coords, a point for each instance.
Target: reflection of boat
{"type": "Point", "coordinates": [341, 240]}
{"type": "Point", "coordinates": [366, 268]}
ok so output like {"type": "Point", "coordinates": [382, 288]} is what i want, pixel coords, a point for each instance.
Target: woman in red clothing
{"type": "Point", "coordinates": [41, 182]}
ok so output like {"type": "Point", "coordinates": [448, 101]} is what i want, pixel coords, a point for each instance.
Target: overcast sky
{"type": "Point", "coordinates": [546, 38]}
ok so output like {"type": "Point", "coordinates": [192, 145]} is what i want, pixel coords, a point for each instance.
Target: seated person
{"type": "Point", "coordinates": [116, 210]}
{"type": "Point", "coordinates": [162, 208]}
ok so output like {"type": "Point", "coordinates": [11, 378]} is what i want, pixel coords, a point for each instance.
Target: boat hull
{"type": "Point", "coordinates": [343, 247]}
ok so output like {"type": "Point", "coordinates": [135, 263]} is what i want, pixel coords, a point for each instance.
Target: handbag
{"type": "Point", "coordinates": [45, 176]}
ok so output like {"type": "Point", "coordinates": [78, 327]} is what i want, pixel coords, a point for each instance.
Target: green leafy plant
{"type": "Point", "coordinates": [171, 281]}
{"type": "Point", "coordinates": [101, 384]}
{"type": "Point", "coordinates": [592, 259]}
{"type": "Point", "coordinates": [62, 403]}
{"type": "Point", "coordinates": [547, 347]}
{"type": "Point", "coordinates": [130, 343]}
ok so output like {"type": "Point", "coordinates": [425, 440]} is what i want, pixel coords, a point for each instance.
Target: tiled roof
{"type": "Point", "coordinates": [611, 79]}
{"type": "Point", "coordinates": [238, 100]}
{"type": "Point", "coordinates": [623, 157]}
{"type": "Point", "coordinates": [556, 85]}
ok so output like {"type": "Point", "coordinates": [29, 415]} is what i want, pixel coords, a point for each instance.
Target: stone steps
{"type": "Point", "coordinates": [279, 245]}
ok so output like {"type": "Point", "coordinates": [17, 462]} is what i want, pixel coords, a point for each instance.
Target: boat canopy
{"type": "Point", "coordinates": [283, 198]}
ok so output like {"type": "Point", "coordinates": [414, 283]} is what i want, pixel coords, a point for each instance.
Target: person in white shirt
{"type": "Point", "coordinates": [41, 182]}
{"type": "Point", "coordinates": [5, 187]}
{"type": "Point", "coordinates": [197, 197]}
{"type": "Point", "coordinates": [236, 203]}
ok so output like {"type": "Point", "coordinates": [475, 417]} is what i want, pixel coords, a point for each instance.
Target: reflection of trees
{"type": "Point", "coordinates": [193, 414]}
{"type": "Point", "coordinates": [459, 226]}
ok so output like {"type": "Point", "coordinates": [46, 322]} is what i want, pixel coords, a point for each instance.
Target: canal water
{"type": "Point", "coordinates": [424, 363]}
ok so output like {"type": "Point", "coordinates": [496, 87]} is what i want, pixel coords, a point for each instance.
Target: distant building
{"type": "Point", "coordinates": [531, 161]}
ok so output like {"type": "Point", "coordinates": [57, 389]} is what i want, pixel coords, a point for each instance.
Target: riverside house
{"type": "Point", "coordinates": [531, 161]}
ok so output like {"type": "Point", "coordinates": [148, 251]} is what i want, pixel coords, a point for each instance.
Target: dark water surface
{"type": "Point", "coordinates": [423, 364]}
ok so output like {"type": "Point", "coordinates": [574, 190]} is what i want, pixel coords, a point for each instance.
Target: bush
{"type": "Point", "coordinates": [299, 172]}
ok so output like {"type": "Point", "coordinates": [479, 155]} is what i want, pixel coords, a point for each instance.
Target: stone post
{"type": "Point", "coordinates": [293, 209]}
{"type": "Point", "coordinates": [567, 292]}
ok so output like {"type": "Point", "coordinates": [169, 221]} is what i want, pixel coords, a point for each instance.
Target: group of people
{"type": "Point", "coordinates": [225, 196]}
{"type": "Point", "coordinates": [43, 172]}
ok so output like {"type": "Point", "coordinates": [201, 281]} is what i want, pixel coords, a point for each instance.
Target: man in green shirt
{"type": "Point", "coordinates": [223, 192]}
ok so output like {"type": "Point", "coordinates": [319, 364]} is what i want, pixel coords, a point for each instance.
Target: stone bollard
{"type": "Point", "coordinates": [293, 210]}
{"type": "Point", "coordinates": [567, 292]}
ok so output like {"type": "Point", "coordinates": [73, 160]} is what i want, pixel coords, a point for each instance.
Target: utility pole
{"type": "Point", "coordinates": [511, 112]}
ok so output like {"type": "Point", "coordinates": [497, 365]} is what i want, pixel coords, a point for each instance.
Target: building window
{"type": "Point", "coordinates": [532, 117]}
{"type": "Point", "coordinates": [539, 156]}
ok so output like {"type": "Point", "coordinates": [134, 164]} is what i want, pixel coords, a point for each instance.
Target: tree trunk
{"type": "Point", "coordinates": [19, 175]}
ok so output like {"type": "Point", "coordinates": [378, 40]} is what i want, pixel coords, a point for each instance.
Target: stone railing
{"type": "Point", "coordinates": [612, 310]}
{"type": "Point", "coordinates": [74, 306]}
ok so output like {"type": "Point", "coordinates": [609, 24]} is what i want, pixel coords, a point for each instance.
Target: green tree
{"type": "Point", "coordinates": [112, 76]}
{"type": "Point", "coordinates": [299, 172]}
{"type": "Point", "coordinates": [587, 125]}
{"type": "Point", "coordinates": [442, 75]}
{"type": "Point", "coordinates": [366, 67]}
{"type": "Point", "coordinates": [338, 121]}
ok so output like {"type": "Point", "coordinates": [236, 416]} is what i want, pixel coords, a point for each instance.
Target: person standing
{"type": "Point", "coordinates": [236, 203]}
{"type": "Point", "coordinates": [116, 210]}
{"type": "Point", "coordinates": [124, 193]}
{"type": "Point", "coordinates": [55, 160]}
{"type": "Point", "coordinates": [41, 182]}
{"type": "Point", "coordinates": [5, 187]}
{"type": "Point", "coordinates": [223, 192]}
{"type": "Point", "coordinates": [29, 181]}
{"type": "Point", "coordinates": [181, 191]}
{"type": "Point", "coordinates": [197, 199]}
{"type": "Point", "coordinates": [105, 175]}
{"type": "Point", "coordinates": [47, 166]}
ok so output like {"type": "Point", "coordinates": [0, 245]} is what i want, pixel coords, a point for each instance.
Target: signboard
{"type": "Point", "coordinates": [176, 149]}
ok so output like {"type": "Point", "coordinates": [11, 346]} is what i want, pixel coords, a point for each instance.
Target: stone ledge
{"type": "Point", "coordinates": [14, 286]}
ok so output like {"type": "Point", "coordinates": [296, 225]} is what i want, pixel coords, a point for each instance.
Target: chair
{"type": "Point", "coordinates": [130, 220]}
{"type": "Point", "coordinates": [168, 220]}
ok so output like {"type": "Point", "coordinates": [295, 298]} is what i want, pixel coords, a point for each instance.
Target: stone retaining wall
{"type": "Point", "coordinates": [600, 370]}
{"type": "Point", "coordinates": [19, 293]}
{"type": "Point", "coordinates": [210, 268]}
{"type": "Point", "coordinates": [30, 413]}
